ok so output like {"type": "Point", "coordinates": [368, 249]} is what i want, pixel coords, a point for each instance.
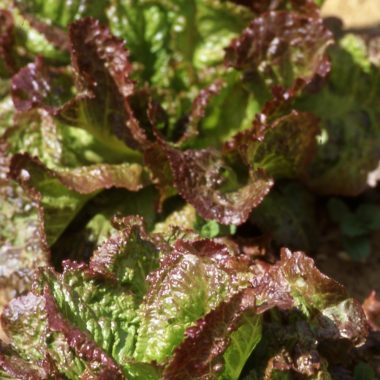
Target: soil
{"type": "Point", "coordinates": [358, 278]}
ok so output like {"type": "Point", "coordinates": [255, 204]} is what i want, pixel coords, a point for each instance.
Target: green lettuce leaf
{"type": "Point", "coordinates": [128, 257]}
{"type": "Point", "coordinates": [177, 48]}
{"type": "Point", "coordinates": [190, 282]}
{"type": "Point", "coordinates": [24, 37]}
{"type": "Point", "coordinates": [62, 13]}
{"type": "Point", "coordinates": [144, 302]}
{"type": "Point", "coordinates": [58, 204]}
{"type": "Point", "coordinates": [86, 299]}
{"type": "Point", "coordinates": [227, 336]}
{"type": "Point", "coordinates": [281, 141]}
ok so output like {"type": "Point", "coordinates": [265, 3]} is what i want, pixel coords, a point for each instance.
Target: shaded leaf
{"type": "Point", "coordinates": [349, 139]}
{"type": "Point", "coordinates": [287, 214]}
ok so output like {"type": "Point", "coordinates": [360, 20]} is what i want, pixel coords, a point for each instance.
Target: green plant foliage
{"type": "Point", "coordinates": [144, 144]}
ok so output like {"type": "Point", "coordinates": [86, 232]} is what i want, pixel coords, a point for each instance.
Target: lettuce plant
{"type": "Point", "coordinates": [197, 115]}
{"type": "Point", "coordinates": [144, 308]}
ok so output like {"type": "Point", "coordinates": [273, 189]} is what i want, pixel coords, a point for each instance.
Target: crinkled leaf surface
{"type": "Point", "coordinates": [58, 204]}
{"type": "Point", "coordinates": [22, 240]}
{"type": "Point", "coordinates": [281, 140]}
{"type": "Point", "coordinates": [226, 337]}
{"type": "Point", "coordinates": [127, 257]}
{"type": "Point", "coordinates": [206, 180]}
{"type": "Point", "coordinates": [177, 46]}
{"type": "Point", "coordinates": [190, 282]}
{"type": "Point", "coordinates": [123, 314]}
{"type": "Point", "coordinates": [281, 47]}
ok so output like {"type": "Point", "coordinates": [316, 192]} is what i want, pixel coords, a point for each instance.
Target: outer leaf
{"type": "Point", "coordinates": [105, 312]}
{"type": "Point", "coordinates": [103, 82]}
{"type": "Point", "coordinates": [220, 343]}
{"type": "Point", "coordinates": [337, 315]}
{"type": "Point", "coordinates": [103, 70]}
{"type": "Point", "coordinates": [207, 182]}
{"type": "Point", "coordinates": [22, 240]}
{"type": "Point", "coordinates": [282, 47]}
{"type": "Point", "coordinates": [191, 281]}
{"type": "Point", "coordinates": [95, 319]}
{"type": "Point", "coordinates": [89, 179]}
{"type": "Point", "coordinates": [49, 192]}
{"type": "Point", "coordinates": [38, 134]}
{"type": "Point", "coordinates": [72, 351]}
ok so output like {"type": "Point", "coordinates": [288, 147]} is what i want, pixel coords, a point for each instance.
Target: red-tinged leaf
{"type": "Point", "coordinates": [198, 110]}
{"type": "Point", "coordinates": [282, 141]}
{"type": "Point", "coordinates": [200, 356]}
{"type": "Point", "coordinates": [102, 66]}
{"type": "Point", "coordinates": [128, 256]}
{"type": "Point", "coordinates": [206, 181]}
{"type": "Point", "coordinates": [46, 189]}
{"type": "Point", "coordinates": [6, 40]}
{"type": "Point", "coordinates": [192, 279]}
{"type": "Point", "coordinates": [83, 346]}
{"type": "Point", "coordinates": [156, 160]}
{"type": "Point", "coordinates": [333, 313]}
{"type": "Point", "coordinates": [87, 179]}
{"type": "Point", "coordinates": [23, 244]}
{"type": "Point", "coordinates": [371, 308]}
{"type": "Point", "coordinates": [283, 48]}
{"type": "Point", "coordinates": [38, 85]}
{"type": "Point", "coordinates": [16, 368]}
{"type": "Point", "coordinates": [107, 103]}
{"type": "Point", "coordinates": [55, 35]}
